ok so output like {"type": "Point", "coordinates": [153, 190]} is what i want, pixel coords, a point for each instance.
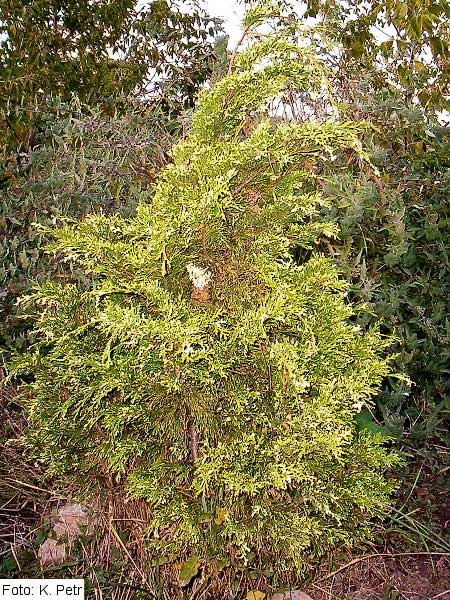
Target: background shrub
{"type": "Point", "coordinates": [84, 160]}
{"type": "Point", "coordinates": [393, 245]}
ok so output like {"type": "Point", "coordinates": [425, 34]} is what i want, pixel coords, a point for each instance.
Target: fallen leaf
{"type": "Point", "coordinates": [188, 570]}
{"type": "Point", "coordinates": [52, 553]}
{"type": "Point", "coordinates": [221, 515]}
{"type": "Point", "coordinates": [291, 595]}
{"type": "Point", "coordinates": [255, 595]}
{"type": "Point", "coordinates": [71, 518]}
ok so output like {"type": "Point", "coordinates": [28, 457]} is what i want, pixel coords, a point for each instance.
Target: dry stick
{"type": "Point", "coordinates": [236, 48]}
{"type": "Point", "coordinates": [193, 442]}
{"type": "Point", "coordinates": [205, 254]}
{"type": "Point", "coordinates": [35, 487]}
{"type": "Point", "coordinates": [10, 125]}
{"type": "Point", "coordinates": [122, 545]}
{"type": "Point", "coordinates": [369, 556]}
{"type": "Point", "coordinates": [204, 250]}
{"type": "Point", "coordinates": [441, 594]}
{"type": "Point", "coordinates": [329, 594]}
{"type": "Point", "coordinates": [254, 175]}
{"type": "Point", "coordinates": [202, 595]}
{"type": "Point", "coordinates": [249, 179]}
{"type": "Point", "coordinates": [13, 552]}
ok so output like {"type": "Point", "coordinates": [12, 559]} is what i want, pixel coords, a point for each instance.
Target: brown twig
{"type": "Point", "coordinates": [10, 125]}
{"type": "Point", "coordinates": [193, 442]}
{"type": "Point", "coordinates": [249, 179]}
{"type": "Point", "coordinates": [377, 554]}
{"type": "Point", "coordinates": [236, 48]}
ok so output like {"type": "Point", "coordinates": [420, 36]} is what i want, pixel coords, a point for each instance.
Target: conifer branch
{"type": "Point", "coordinates": [262, 169]}
{"type": "Point", "coordinates": [249, 179]}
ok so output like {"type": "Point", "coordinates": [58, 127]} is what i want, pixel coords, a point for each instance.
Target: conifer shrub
{"type": "Point", "coordinates": [205, 367]}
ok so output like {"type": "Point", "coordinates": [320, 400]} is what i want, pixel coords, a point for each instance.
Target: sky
{"type": "Point", "coordinates": [232, 13]}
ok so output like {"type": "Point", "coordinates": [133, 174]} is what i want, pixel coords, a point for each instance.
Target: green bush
{"type": "Point", "coordinates": [204, 367]}
{"type": "Point", "coordinates": [97, 51]}
{"type": "Point", "coordinates": [393, 245]}
{"type": "Point", "coordinates": [84, 160]}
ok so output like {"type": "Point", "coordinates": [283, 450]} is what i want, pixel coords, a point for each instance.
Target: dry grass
{"type": "Point", "coordinates": [387, 576]}
{"type": "Point", "coordinates": [21, 506]}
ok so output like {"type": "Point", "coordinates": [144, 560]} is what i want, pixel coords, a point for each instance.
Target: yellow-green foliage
{"type": "Point", "coordinates": [231, 410]}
